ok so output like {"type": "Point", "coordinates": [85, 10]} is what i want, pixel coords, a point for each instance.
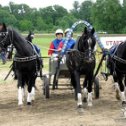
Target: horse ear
{"type": "Point", "coordinates": [85, 30]}
{"type": "Point", "coordinates": [92, 31]}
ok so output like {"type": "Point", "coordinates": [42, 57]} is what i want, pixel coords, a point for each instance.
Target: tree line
{"type": "Point", "coordinates": [104, 15]}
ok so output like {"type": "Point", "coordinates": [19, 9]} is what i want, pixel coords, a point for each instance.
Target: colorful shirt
{"type": "Point", "coordinates": [54, 45]}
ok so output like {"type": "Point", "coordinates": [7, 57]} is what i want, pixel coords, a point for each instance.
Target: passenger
{"type": "Point", "coordinates": [71, 41]}
{"type": "Point", "coordinates": [55, 43]}
{"type": "Point", "coordinates": [2, 51]}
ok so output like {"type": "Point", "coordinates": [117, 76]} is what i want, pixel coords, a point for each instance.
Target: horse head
{"type": "Point", "coordinates": [5, 39]}
{"type": "Point", "coordinates": [86, 44]}
{"type": "Point", "coordinates": [30, 36]}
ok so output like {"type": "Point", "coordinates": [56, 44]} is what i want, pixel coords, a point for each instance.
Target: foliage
{"type": "Point", "coordinates": [104, 15]}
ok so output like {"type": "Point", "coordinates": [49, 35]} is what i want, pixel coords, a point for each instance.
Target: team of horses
{"type": "Point", "coordinates": [81, 60]}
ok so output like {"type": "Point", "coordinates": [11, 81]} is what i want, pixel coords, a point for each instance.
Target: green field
{"type": "Point", "coordinates": [43, 42]}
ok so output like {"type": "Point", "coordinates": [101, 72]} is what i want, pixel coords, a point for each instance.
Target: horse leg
{"type": "Point", "coordinates": [31, 90]}
{"type": "Point", "coordinates": [85, 89]}
{"type": "Point", "coordinates": [73, 83]}
{"type": "Point", "coordinates": [78, 89]}
{"type": "Point", "coordinates": [116, 86]}
{"type": "Point", "coordinates": [20, 96]}
{"type": "Point", "coordinates": [23, 89]}
{"type": "Point", "coordinates": [123, 98]}
{"type": "Point", "coordinates": [90, 82]}
{"type": "Point", "coordinates": [125, 84]}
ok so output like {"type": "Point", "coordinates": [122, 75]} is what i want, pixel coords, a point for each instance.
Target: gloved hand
{"type": "Point", "coordinates": [105, 51]}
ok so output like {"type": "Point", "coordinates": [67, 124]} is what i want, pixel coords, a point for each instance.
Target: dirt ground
{"type": "Point", "coordinates": [60, 109]}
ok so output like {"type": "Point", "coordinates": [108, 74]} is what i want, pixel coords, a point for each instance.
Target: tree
{"type": "Point", "coordinates": [25, 25]}
{"type": "Point", "coordinates": [40, 24]}
{"type": "Point", "coordinates": [107, 15]}
{"type": "Point", "coordinates": [8, 18]}
{"type": "Point", "coordinates": [75, 10]}
{"type": "Point", "coordinates": [85, 10]}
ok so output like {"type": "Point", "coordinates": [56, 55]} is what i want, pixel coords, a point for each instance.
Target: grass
{"type": "Point", "coordinates": [43, 43]}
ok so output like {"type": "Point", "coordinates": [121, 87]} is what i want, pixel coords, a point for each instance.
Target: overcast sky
{"type": "Point", "coordinates": [68, 4]}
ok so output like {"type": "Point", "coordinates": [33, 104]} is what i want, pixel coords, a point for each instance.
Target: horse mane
{"type": "Point", "coordinates": [20, 43]}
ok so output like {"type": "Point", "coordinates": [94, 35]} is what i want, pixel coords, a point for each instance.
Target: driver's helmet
{"type": "Point", "coordinates": [59, 31]}
{"type": "Point", "coordinates": [67, 30]}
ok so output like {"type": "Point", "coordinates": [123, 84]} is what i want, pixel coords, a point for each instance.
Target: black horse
{"type": "Point", "coordinates": [30, 36]}
{"type": "Point", "coordinates": [82, 61]}
{"type": "Point", "coordinates": [25, 62]}
{"type": "Point", "coordinates": [117, 66]}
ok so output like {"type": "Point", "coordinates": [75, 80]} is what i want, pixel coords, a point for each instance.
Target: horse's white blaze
{"type": "Point", "coordinates": [79, 102]}
{"type": "Point", "coordinates": [89, 43]}
{"type": "Point", "coordinates": [20, 98]}
{"type": "Point", "coordinates": [89, 100]}
{"type": "Point", "coordinates": [33, 93]}
{"type": "Point", "coordinates": [29, 97]}
{"type": "Point", "coordinates": [123, 97]}
{"type": "Point", "coordinates": [85, 92]}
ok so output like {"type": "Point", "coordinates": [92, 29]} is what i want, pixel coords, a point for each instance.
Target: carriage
{"type": "Point", "coordinates": [58, 68]}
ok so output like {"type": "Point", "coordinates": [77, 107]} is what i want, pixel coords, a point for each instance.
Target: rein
{"type": "Point", "coordinates": [119, 59]}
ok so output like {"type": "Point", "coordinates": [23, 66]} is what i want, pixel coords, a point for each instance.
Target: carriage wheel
{"type": "Point", "coordinates": [46, 90]}
{"type": "Point", "coordinates": [96, 88]}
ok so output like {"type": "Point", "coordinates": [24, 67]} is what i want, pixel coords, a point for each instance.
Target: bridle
{"type": "Point", "coordinates": [6, 35]}
{"type": "Point", "coordinates": [11, 38]}
{"type": "Point", "coordinates": [86, 54]}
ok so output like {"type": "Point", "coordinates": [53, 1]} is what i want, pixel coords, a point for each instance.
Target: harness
{"type": "Point", "coordinates": [117, 59]}
{"type": "Point", "coordinates": [25, 59]}
{"type": "Point", "coordinates": [83, 55]}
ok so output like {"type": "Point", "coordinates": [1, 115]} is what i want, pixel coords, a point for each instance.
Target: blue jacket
{"type": "Point", "coordinates": [37, 49]}
{"type": "Point", "coordinates": [70, 44]}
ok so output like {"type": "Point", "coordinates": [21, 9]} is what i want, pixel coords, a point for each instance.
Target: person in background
{"type": "Point", "coordinates": [53, 49]}
{"type": "Point", "coordinates": [3, 51]}
{"type": "Point", "coordinates": [3, 56]}
{"type": "Point", "coordinates": [70, 43]}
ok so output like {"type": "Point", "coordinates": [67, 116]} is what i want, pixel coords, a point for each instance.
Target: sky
{"type": "Point", "coordinates": [68, 4]}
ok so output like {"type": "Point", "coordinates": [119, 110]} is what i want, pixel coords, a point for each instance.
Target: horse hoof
{"type": "Point", "coordinates": [117, 95]}
{"type": "Point", "coordinates": [20, 107]}
{"type": "Point", "coordinates": [80, 109]}
{"type": "Point", "coordinates": [85, 100]}
{"type": "Point", "coordinates": [90, 105]}
{"type": "Point", "coordinates": [28, 103]}
{"type": "Point", "coordinates": [123, 103]}
{"type": "Point", "coordinates": [79, 106]}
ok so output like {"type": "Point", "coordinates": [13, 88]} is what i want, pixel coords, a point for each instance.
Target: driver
{"type": "Point", "coordinates": [53, 50]}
